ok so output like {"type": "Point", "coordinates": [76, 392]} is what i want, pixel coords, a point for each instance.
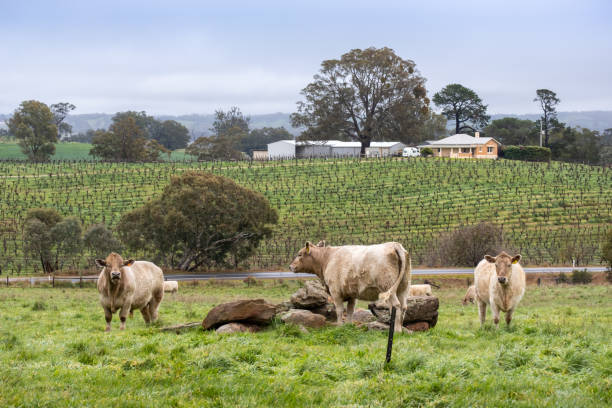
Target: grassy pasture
{"type": "Point", "coordinates": [549, 212]}
{"type": "Point", "coordinates": [68, 151]}
{"type": "Point", "coordinates": [53, 352]}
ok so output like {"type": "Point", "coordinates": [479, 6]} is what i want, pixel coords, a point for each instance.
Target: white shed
{"type": "Point", "coordinates": [283, 149]}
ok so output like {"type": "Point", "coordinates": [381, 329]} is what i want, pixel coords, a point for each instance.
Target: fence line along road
{"type": "Point", "coordinates": [285, 275]}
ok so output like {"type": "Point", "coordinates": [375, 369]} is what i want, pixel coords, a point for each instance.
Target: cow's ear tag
{"type": "Point", "coordinates": [129, 263]}
{"type": "Point", "coordinates": [308, 249]}
{"type": "Point", "coordinates": [515, 261]}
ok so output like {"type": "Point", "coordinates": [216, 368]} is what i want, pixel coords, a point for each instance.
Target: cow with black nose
{"type": "Point", "coordinates": [499, 282]}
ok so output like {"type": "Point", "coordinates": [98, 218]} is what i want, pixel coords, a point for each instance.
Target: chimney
{"type": "Point", "coordinates": [476, 135]}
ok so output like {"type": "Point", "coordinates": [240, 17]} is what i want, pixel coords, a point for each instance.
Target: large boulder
{"type": "Point", "coordinates": [304, 318]}
{"type": "Point", "coordinates": [362, 316]}
{"type": "Point", "coordinates": [419, 309]}
{"type": "Point", "coordinates": [238, 328]}
{"type": "Point", "coordinates": [311, 296]}
{"type": "Point", "coordinates": [256, 311]}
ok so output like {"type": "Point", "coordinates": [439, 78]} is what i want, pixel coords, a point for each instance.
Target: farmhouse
{"type": "Point", "coordinates": [284, 149]}
{"type": "Point", "coordinates": [465, 146]}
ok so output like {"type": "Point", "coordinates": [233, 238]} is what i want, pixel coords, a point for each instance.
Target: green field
{"type": "Point", "coordinates": [54, 352]}
{"type": "Point", "coordinates": [69, 151]}
{"type": "Point", "coordinates": [549, 213]}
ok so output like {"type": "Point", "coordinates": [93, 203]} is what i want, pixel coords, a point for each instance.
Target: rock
{"type": "Point", "coordinates": [303, 318]}
{"type": "Point", "coordinates": [328, 311]}
{"type": "Point", "coordinates": [311, 296]}
{"type": "Point", "coordinates": [283, 307]}
{"type": "Point", "coordinates": [419, 309]}
{"type": "Point", "coordinates": [238, 328]}
{"type": "Point", "coordinates": [376, 325]}
{"type": "Point", "coordinates": [361, 316]}
{"type": "Point", "coordinates": [256, 311]}
{"type": "Point", "coordinates": [417, 326]}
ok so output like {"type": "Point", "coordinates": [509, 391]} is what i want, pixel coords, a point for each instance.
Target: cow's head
{"type": "Point", "coordinates": [113, 264]}
{"type": "Point", "coordinates": [304, 261]}
{"type": "Point", "coordinates": [503, 265]}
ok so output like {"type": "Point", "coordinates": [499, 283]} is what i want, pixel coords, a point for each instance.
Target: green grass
{"type": "Point", "coordinates": [556, 354]}
{"type": "Point", "coordinates": [549, 212]}
{"type": "Point", "coordinates": [69, 151]}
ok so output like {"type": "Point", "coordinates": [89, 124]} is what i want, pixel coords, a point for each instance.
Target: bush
{"type": "Point", "coordinates": [581, 277]}
{"type": "Point", "coordinates": [466, 246]}
{"type": "Point", "coordinates": [606, 254]}
{"type": "Point", "coordinates": [562, 278]}
{"type": "Point", "coordinates": [526, 153]}
{"type": "Point", "coordinates": [426, 152]}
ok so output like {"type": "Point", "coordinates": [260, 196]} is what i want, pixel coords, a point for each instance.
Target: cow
{"type": "Point", "coordinates": [366, 272]}
{"type": "Point", "coordinates": [499, 282]}
{"type": "Point", "coordinates": [171, 286]}
{"type": "Point", "coordinates": [470, 295]}
{"type": "Point", "coordinates": [420, 290]}
{"type": "Point", "coordinates": [129, 285]}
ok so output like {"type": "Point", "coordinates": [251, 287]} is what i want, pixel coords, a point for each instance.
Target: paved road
{"type": "Point", "coordinates": [290, 275]}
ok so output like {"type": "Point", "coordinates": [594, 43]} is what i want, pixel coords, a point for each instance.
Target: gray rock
{"type": "Point", "coordinates": [304, 318]}
{"type": "Point", "coordinates": [238, 328]}
{"type": "Point", "coordinates": [362, 316]}
{"type": "Point", "coordinates": [311, 296]}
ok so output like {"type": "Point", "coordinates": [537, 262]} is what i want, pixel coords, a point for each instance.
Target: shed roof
{"type": "Point", "coordinates": [336, 143]}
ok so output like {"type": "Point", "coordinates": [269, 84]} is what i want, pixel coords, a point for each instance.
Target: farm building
{"type": "Point", "coordinates": [464, 146]}
{"type": "Point", "coordinates": [284, 149]}
{"type": "Point", "coordinates": [260, 155]}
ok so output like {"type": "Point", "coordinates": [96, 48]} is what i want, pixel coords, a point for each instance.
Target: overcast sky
{"type": "Point", "coordinates": [181, 57]}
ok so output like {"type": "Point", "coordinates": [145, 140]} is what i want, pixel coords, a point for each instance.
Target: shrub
{"type": "Point", "coordinates": [606, 254]}
{"type": "Point", "coordinates": [466, 246]}
{"type": "Point", "coordinates": [581, 276]}
{"type": "Point", "coordinates": [562, 278]}
{"type": "Point", "coordinates": [526, 153]}
{"type": "Point", "coordinates": [427, 152]}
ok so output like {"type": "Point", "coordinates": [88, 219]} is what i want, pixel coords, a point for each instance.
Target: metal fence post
{"type": "Point", "coordinates": [390, 339]}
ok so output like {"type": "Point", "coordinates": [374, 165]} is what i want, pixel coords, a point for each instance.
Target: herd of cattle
{"type": "Point", "coordinates": [379, 273]}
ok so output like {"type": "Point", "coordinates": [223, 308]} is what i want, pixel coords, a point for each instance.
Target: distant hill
{"type": "Point", "coordinates": [200, 124]}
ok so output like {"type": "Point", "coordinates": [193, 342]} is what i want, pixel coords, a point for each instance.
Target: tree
{"type": "Point", "coordinates": [366, 95]}
{"type": "Point", "coordinates": [462, 105]}
{"type": "Point", "coordinates": [33, 125]}
{"type": "Point", "coordinates": [548, 102]}
{"type": "Point", "coordinates": [124, 141]}
{"type": "Point", "coordinates": [576, 145]}
{"type": "Point", "coordinates": [513, 131]}
{"type": "Point", "coordinates": [198, 220]}
{"type": "Point", "coordinates": [606, 252]}
{"type": "Point", "coordinates": [37, 235]}
{"type": "Point", "coordinates": [224, 121]}
{"type": "Point", "coordinates": [66, 241]}
{"type": "Point", "coordinates": [60, 111]}
{"type": "Point", "coordinates": [100, 241]}
{"type": "Point", "coordinates": [434, 128]}
{"type": "Point", "coordinates": [258, 139]}
{"type": "Point", "coordinates": [223, 147]}
{"type": "Point", "coordinates": [606, 137]}
{"type": "Point", "coordinates": [172, 135]}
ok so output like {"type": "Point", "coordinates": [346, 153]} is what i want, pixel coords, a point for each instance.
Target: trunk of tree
{"type": "Point", "coordinates": [364, 145]}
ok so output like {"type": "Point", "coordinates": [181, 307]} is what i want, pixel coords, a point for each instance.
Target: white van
{"type": "Point", "coordinates": [411, 152]}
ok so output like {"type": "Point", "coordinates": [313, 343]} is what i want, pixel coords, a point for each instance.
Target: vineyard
{"type": "Point", "coordinates": [550, 213]}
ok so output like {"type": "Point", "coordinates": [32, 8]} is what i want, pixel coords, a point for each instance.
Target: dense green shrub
{"type": "Point", "coordinates": [526, 153]}
{"type": "Point", "coordinates": [426, 152]}
{"type": "Point", "coordinates": [581, 276]}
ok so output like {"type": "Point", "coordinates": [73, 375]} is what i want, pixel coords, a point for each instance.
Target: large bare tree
{"type": "Point", "coordinates": [366, 95]}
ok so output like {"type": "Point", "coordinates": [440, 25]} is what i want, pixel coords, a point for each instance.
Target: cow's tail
{"type": "Point", "coordinates": [390, 297]}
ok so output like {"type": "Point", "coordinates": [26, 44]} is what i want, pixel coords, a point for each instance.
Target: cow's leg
{"type": "Point", "coordinates": [509, 316]}
{"type": "Point", "coordinates": [123, 314]}
{"type": "Point", "coordinates": [482, 311]}
{"type": "Point", "coordinates": [146, 315]}
{"type": "Point", "coordinates": [339, 303]}
{"type": "Point", "coordinates": [495, 311]}
{"type": "Point", "coordinates": [108, 316]}
{"type": "Point", "coordinates": [350, 308]}
{"type": "Point", "coordinates": [154, 304]}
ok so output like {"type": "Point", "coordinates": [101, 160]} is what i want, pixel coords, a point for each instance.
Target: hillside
{"type": "Point", "coordinates": [201, 123]}
{"type": "Point", "coordinates": [549, 213]}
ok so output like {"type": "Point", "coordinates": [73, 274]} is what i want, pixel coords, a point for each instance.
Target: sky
{"type": "Point", "coordinates": [183, 57]}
